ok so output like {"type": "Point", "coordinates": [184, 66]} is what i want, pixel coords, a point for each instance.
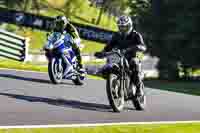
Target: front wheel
{"type": "Point", "coordinates": [115, 93]}
{"type": "Point", "coordinates": [55, 70]}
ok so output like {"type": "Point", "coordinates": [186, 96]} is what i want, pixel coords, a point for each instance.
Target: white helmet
{"type": "Point", "coordinates": [125, 24]}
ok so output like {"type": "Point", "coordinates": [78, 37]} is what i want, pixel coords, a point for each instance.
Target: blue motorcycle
{"type": "Point", "coordinates": [62, 61]}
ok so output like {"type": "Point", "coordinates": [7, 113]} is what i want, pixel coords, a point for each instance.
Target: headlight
{"type": "Point", "coordinates": [114, 58]}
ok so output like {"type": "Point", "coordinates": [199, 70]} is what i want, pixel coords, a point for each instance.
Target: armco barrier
{"type": "Point", "coordinates": [13, 46]}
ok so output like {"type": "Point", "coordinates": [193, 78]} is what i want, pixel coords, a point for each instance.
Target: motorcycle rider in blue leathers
{"type": "Point", "coordinates": [62, 24]}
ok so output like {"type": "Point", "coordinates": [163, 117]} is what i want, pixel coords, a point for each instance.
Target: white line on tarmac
{"type": "Point", "coordinates": [99, 124]}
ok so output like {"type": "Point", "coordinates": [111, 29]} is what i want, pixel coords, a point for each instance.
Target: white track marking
{"type": "Point", "coordinates": [99, 124]}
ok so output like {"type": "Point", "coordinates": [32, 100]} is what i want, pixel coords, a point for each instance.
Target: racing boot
{"type": "Point", "coordinates": [81, 71]}
{"type": "Point", "coordinates": [80, 68]}
{"type": "Point", "coordinates": [137, 80]}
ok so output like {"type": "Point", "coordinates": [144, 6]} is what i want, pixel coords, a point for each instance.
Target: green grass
{"type": "Point", "coordinates": [153, 128]}
{"type": "Point", "coordinates": [31, 67]}
{"type": "Point", "coordinates": [22, 66]}
{"type": "Point", "coordinates": [95, 77]}
{"type": "Point", "coordinates": [187, 87]}
{"type": "Point", "coordinates": [91, 47]}
{"type": "Point", "coordinates": [95, 63]}
{"type": "Point", "coordinates": [196, 72]}
{"type": "Point", "coordinates": [38, 39]}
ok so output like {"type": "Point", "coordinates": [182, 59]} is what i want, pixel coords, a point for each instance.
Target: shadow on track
{"type": "Point", "coordinates": [29, 79]}
{"type": "Point", "coordinates": [62, 102]}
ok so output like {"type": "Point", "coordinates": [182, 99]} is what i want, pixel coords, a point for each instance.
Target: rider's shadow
{"type": "Point", "coordinates": [62, 102]}
{"type": "Point", "coordinates": [30, 79]}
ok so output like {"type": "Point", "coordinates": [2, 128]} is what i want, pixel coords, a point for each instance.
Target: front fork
{"type": "Point", "coordinates": [125, 82]}
{"type": "Point", "coordinates": [60, 64]}
{"type": "Point", "coordinates": [125, 85]}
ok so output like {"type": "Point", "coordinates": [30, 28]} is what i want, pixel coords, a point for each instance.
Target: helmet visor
{"type": "Point", "coordinates": [59, 25]}
{"type": "Point", "coordinates": [124, 28]}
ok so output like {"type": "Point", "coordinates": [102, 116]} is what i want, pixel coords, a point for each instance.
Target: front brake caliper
{"type": "Point", "coordinates": [60, 65]}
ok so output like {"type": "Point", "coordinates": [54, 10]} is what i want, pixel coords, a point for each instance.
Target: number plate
{"type": "Point", "coordinates": [114, 58]}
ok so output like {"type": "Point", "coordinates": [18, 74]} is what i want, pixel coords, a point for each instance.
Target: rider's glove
{"type": "Point", "coordinates": [123, 51]}
{"type": "Point", "coordinates": [141, 48]}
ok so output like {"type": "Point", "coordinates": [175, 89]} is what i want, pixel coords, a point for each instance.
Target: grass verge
{"type": "Point", "coordinates": [31, 67]}
{"type": "Point", "coordinates": [90, 47]}
{"type": "Point", "coordinates": [153, 128]}
{"type": "Point", "coordinates": [187, 87]}
{"type": "Point", "coordinates": [196, 72]}
{"type": "Point", "coordinates": [38, 40]}
{"type": "Point", "coordinates": [22, 66]}
{"type": "Point", "coordinates": [95, 62]}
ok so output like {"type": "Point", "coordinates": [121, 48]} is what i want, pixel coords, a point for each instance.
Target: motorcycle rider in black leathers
{"type": "Point", "coordinates": [129, 40]}
{"type": "Point", "coordinates": [62, 24]}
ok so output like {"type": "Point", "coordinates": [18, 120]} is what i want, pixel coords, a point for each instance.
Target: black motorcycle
{"type": "Point", "coordinates": [118, 84]}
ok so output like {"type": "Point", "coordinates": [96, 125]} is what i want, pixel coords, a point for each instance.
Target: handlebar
{"type": "Point", "coordinates": [118, 52]}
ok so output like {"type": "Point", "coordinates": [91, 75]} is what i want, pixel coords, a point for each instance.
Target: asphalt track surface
{"type": "Point", "coordinates": [28, 98]}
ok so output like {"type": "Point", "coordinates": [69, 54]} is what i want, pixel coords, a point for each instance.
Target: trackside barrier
{"type": "Point", "coordinates": [13, 46]}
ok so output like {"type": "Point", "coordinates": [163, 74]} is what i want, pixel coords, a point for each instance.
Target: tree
{"type": "Point", "coordinates": [172, 28]}
{"type": "Point", "coordinates": [22, 5]}
{"type": "Point", "coordinates": [114, 7]}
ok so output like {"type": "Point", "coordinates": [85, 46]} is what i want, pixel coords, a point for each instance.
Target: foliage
{"type": "Point", "coordinates": [171, 33]}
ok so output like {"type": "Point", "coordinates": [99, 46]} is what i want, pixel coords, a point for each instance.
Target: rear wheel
{"type": "Point", "coordinates": [55, 70]}
{"type": "Point", "coordinates": [114, 93]}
